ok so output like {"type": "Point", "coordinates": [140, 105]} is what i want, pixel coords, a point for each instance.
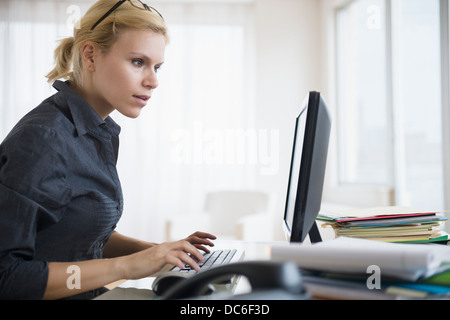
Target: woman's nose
{"type": "Point", "coordinates": [151, 80]}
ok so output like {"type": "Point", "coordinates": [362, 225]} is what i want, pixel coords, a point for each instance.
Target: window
{"type": "Point", "coordinates": [389, 105]}
{"type": "Point", "coordinates": [364, 150]}
{"type": "Point", "coordinates": [417, 103]}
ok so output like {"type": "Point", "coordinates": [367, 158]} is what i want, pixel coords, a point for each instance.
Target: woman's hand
{"type": "Point", "coordinates": [179, 253]}
{"type": "Point", "coordinates": [200, 239]}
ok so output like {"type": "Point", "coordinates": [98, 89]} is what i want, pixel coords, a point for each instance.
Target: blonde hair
{"type": "Point", "coordinates": [67, 55]}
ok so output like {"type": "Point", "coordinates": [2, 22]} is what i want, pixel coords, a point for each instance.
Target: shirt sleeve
{"type": "Point", "coordinates": [33, 196]}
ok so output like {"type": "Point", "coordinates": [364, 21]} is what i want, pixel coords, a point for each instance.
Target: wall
{"type": "Point", "coordinates": [288, 66]}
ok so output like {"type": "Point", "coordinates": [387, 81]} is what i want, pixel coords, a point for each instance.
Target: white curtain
{"type": "Point", "coordinates": [197, 133]}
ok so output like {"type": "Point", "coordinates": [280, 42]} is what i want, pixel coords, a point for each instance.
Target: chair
{"type": "Point", "coordinates": [228, 215]}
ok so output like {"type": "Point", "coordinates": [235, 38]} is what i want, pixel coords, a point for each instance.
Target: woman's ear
{"type": "Point", "coordinates": [88, 52]}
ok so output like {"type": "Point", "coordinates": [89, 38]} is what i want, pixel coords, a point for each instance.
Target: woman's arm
{"type": "Point", "coordinates": [93, 274]}
{"type": "Point", "coordinates": [120, 245]}
{"type": "Point", "coordinates": [70, 278]}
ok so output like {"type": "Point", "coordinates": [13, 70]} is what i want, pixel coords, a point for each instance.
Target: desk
{"type": "Point", "coordinates": [319, 287]}
{"type": "Point", "coordinates": [141, 289]}
{"type": "Point", "coordinates": [254, 251]}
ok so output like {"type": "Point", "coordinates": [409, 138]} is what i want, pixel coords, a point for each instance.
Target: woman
{"type": "Point", "coordinates": [60, 195]}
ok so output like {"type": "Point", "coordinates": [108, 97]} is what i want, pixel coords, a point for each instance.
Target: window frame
{"type": "Point", "coordinates": [335, 192]}
{"type": "Point", "coordinates": [445, 82]}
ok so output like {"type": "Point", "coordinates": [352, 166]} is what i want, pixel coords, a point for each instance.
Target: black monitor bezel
{"type": "Point", "coordinates": [313, 163]}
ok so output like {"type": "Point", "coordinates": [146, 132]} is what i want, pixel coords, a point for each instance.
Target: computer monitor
{"type": "Point", "coordinates": [307, 171]}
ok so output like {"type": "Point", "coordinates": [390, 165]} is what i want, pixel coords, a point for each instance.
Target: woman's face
{"type": "Point", "coordinates": [125, 76]}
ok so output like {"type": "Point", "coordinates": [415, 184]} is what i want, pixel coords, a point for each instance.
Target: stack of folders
{"type": "Point", "coordinates": [351, 268]}
{"type": "Point", "coordinates": [388, 224]}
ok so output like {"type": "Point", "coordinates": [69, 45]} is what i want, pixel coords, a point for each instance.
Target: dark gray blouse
{"type": "Point", "coordinates": [60, 195]}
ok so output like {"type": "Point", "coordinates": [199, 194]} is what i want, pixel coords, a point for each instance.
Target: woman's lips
{"type": "Point", "coordinates": [142, 99]}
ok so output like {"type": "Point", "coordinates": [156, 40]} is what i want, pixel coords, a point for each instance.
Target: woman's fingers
{"type": "Point", "coordinates": [203, 235]}
{"type": "Point", "coordinates": [186, 253]}
{"type": "Point", "coordinates": [181, 259]}
{"type": "Point", "coordinates": [203, 248]}
{"type": "Point", "coordinates": [200, 240]}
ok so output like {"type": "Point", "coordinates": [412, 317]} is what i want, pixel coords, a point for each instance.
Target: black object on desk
{"type": "Point", "coordinates": [267, 279]}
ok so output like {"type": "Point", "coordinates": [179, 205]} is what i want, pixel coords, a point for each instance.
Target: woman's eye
{"type": "Point", "coordinates": [137, 62]}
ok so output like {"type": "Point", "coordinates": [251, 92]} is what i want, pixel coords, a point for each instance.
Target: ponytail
{"type": "Point", "coordinates": [63, 61]}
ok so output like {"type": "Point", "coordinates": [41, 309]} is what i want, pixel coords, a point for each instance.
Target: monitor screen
{"type": "Point", "coordinates": [307, 170]}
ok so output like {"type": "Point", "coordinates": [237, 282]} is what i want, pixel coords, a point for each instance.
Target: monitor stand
{"type": "Point", "coordinates": [314, 234]}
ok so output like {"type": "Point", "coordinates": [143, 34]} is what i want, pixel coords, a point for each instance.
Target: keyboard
{"type": "Point", "coordinates": [211, 260]}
